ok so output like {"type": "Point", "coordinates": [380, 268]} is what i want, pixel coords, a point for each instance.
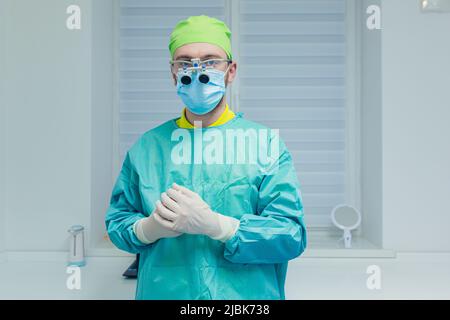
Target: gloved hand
{"type": "Point", "coordinates": [185, 211]}
{"type": "Point", "coordinates": [152, 228]}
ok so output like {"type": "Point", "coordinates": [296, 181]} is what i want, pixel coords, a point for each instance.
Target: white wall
{"type": "Point", "coordinates": [371, 147]}
{"type": "Point", "coordinates": [103, 46]}
{"type": "Point", "coordinates": [416, 130]}
{"type": "Point", "coordinates": [48, 102]}
{"type": "Point", "coordinates": [2, 128]}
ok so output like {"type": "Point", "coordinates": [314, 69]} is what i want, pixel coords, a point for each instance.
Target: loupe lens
{"type": "Point", "coordinates": [186, 80]}
{"type": "Point", "coordinates": [203, 78]}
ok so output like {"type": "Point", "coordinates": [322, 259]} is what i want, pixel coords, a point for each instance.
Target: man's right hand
{"type": "Point", "coordinates": [152, 228]}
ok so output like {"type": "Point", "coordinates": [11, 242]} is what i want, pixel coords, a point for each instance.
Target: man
{"type": "Point", "coordinates": [206, 229]}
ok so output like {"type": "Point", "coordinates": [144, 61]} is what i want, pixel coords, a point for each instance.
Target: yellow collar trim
{"type": "Point", "coordinates": [226, 116]}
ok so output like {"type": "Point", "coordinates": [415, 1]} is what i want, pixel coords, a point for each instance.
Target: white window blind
{"type": "Point", "coordinates": [292, 77]}
{"type": "Point", "coordinates": [291, 67]}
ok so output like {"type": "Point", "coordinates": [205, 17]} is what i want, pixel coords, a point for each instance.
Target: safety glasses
{"type": "Point", "coordinates": [197, 64]}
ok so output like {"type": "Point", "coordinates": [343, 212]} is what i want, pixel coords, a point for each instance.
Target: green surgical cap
{"type": "Point", "coordinates": [201, 29]}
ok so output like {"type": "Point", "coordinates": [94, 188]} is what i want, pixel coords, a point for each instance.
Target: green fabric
{"type": "Point", "coordinates": [201, 29]}
{"type": "Point", "coordinates": [250, 265]}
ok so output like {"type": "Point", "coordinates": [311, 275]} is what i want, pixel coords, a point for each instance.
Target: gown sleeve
{"type": "Point", "coordinates": [277, 233]}
{"type": "Point", "coordinates": [124, 210]}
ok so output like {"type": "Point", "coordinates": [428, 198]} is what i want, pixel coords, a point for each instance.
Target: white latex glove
{"type": "Point", "coordinates": [185, 211]}
{"type": "Point", "coordinates": [152, 228]}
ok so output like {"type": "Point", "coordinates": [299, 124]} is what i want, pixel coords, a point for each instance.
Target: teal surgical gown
{"type": "Point", "coordinates": [250, 265]}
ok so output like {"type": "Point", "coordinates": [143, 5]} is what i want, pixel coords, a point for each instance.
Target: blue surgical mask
{"type": "Point", "coordinates": [201, 98]}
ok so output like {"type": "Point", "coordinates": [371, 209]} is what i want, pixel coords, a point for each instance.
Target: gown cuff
{"type": "Point", "coordinates": [137, 229]}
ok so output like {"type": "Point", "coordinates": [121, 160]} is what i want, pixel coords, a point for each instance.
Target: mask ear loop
{"type": "Point", "coordinates": [227, 69]}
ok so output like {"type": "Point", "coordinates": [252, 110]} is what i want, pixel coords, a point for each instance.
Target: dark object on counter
{"type": "Point", "coordinates": [132, 270]}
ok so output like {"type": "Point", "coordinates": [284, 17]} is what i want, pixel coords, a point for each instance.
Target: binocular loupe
{"type": "Point", "coordinates": [186, 78]}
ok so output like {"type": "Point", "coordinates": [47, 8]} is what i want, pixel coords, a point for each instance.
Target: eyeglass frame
{"type": "Point", "coordinates": [200, 64]}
